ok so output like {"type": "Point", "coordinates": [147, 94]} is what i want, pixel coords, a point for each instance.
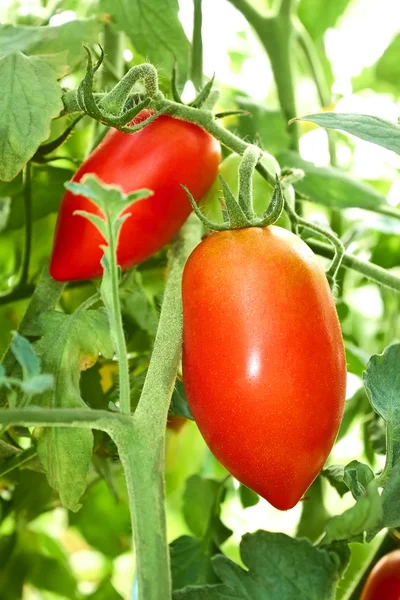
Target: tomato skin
{"type": "Point", "coordinates": [165, 154]}
{"type": "Point", "coordinates": [263, 359]}
{"type": "Point", "coordinates": [384, 580]}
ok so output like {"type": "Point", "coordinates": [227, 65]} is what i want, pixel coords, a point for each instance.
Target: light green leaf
{"type": "Point", "coordinates": [357, 476]}
{"type": "Point", "coordinates": [30, 99]}
{"type": "Point", "coordinates": [51, 40]}
{"type": "Point", "coordinates": [155, 31]}
{"type": "Point", "coordinates": [136, 304]}
{"type": "Point", "coordinates": [367, 127]}
{"type": "Point", "coordinates": [69, 345]}
{"type": "Point", "coordinates": [319, 15]}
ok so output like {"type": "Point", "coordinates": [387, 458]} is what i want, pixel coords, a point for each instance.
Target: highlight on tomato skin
{"type": "Point", "coordinates": [383, 582]}
{"type": "Point", "coordinates": [161, 157]}
{"type": "Point", "coordinates": [263, 358]}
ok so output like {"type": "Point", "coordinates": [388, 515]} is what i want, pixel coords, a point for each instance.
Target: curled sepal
{"type": "Point", "coordinates": [247, 166]}
{"type": "Point", "coordinates": [209, 224]}
{"type": "Point", "coordinates": [237, 218]}
{"type": "Point", "coordinates": [84, 95]}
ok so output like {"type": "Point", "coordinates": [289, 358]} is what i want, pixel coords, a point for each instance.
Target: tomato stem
{"type": "Point", "coordinates": [251, 156]}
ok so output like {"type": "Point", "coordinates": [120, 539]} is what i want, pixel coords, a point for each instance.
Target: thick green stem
{"type": "Point", "coordinates": [276, 33]}
{"type": "Point", "coordinates": [143, 454]}
{"type": "Point", "coordinates": [196, 70]}
{"type": "Point", "coordinates": [369, 270]}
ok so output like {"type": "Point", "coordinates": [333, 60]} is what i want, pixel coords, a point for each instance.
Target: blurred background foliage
{"type": "Point", "coordinates": [51, 554]}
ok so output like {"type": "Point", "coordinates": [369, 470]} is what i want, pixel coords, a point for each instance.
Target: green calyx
{"type": "Point", "coordinates": [239, 212]}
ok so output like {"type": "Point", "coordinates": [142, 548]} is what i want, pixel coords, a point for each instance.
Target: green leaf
{"type": "Point", "coordinates": [114, 536]}
{"type": "Point", "coordinates": [384, 75]}
{"type": "Point", "coordinates": [313, 514]}
{"type": "Point", "coordinates": [155, 31]}
{"type": "Point", "coordinates": [30, 99]}
{"type": "Point", "coordinates": [247, 496]}
{"type": "Point", "coordinates": [137, 305]}
{"type": "Point", "coordinates": [364, 515]}
{"type": "Point", "coordinates": [190, 563]}
{"type": "Point", "coordinates": [357, 476]}
{"type": "Point", "coordinates": [38, 384]}
{"type": "Point", "coordinates": [69, 345]}
{"type": "Point", "coordinates": [202, 506]}
{"type": "Point", "coordinates": [367, 127]}
{"type": "Point", "coordinates": [179, 405]}
{"type": "Point", "coordinates": [382, 382]}
{"type": "Point", "coordinates": [330, 186]}
{"type": "Point", "coordinates": [51, 40]}
{"type": "Point", "coordinates": [335, 474]}
{"type": "Point", "coordinates": [355, 406]}
{"type": "Point", "coordinates": [318, 15]}
{"type": "Point", "coordinates": [309, 573]}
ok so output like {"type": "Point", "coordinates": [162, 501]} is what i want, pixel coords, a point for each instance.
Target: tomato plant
{"type": "Point", "coordinates": [199, 381]}
{"type": "Point", "coordinates": [161, 157]}
{"type": "Point", "coordinates": [384, 579]}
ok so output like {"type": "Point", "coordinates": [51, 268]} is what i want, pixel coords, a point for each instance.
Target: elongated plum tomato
{"type": "Point", "coordinates": [165, 154]}
{"type": "Point", "coordinates": [383, 582]}
{"type": "Point", "coordinates": [263, 359]}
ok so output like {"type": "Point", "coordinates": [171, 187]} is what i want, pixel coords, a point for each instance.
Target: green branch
{"type": "Point", "coordinates": [143, 452]}
{"type": "Point", "coordinates": [369, 270]}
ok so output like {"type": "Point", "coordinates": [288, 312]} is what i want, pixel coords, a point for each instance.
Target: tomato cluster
{"type": "Point", "coordinates": [263, 358]}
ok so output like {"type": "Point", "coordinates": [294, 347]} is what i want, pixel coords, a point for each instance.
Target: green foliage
{"type": "Point", "coordinates": [32, 98]}
{"type": "Point", "coordinates": [69, 344]}
{"type": "Point", "coordinates": [310, 572]}
{"type": "Point", "coordinates": [318, 15]}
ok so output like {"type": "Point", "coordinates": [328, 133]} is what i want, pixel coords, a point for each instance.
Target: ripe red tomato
{"type": "Point", "coordinates": [165, 154]}
{"type": "Point", "coordinates": [263, 360]}
{"type": "Point", "coordinates": [383, 582]}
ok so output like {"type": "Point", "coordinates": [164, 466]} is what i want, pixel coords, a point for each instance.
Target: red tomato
{"type": "Point", "coordinates": [162, 156]}
{"type": "Point", "coordinates": [383, 582]}
{"type": "Point", "coordinates": [263, 359]}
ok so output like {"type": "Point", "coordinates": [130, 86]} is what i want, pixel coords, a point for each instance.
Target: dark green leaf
{"type": "Point", "coordinates": [179, 405]}
{"type": "Point", "coordinates": [309, 573]}
{"type": "Point", "coordinates": [30, 99]}
{"type": "Point", "coordinates": [356, 359]}
{"type": "Point", "coordinates": [357, 476]}
{"type": "Point", "coordinates": [69, 345]}
{"type": "Point", "coordinates": [190, 563]}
